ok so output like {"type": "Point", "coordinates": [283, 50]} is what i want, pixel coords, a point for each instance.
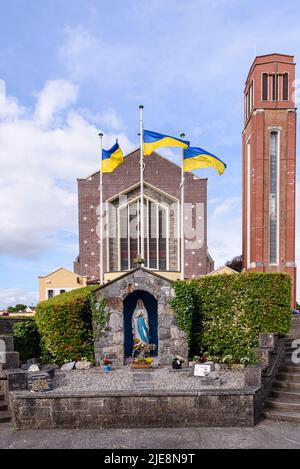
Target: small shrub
{"type": "Point", "coordinates": [27, 340]}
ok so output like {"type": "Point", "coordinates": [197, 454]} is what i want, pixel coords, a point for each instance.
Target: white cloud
{"type": "Point", "coordinates": [56, 96]}
{"type": "Point", "coordinates": [9, 107]}
{"type": "Point", "coordinates": [13, 296]}
{"type": "Point", "coordinates": [40, 162]}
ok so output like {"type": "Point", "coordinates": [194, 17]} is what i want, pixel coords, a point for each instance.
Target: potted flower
{"type": "Point", "coordinates": [177, 362]}
{"type": "Point", "coordinates": [107, 364]}
{"type": "Point", "coordinates": [141, 355]}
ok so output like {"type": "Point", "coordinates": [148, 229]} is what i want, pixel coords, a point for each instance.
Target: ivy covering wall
{"type": "Point", "coordinates": [222, 315]}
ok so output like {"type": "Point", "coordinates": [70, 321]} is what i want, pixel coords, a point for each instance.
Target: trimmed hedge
{"type": "Point", "coordinates": [65, 325]}
{"type": "Point", "coordinates": [233, 310]}
{"type": "Point", "coordinates": [27, 340]}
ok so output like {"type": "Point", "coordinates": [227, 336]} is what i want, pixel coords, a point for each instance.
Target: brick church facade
{"type": "Point", "coordinates": [121, 196]}
{"type": "Point", "coordinates": [269, 167]}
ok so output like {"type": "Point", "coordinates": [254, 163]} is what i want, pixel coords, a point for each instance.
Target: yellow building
{"type": "Point", "coordinates": [59, 281]}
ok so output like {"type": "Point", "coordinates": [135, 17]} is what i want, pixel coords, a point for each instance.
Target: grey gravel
{"type": "Point", "coordinates": [123, 379]}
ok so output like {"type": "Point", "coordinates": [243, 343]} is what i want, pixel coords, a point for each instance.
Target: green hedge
{"type": "Point", "coordinates": [65, 325]}
{"type": "Point", "coordinates": [27, 340]}
{"type": "Point", "coordinates": [232, 311]}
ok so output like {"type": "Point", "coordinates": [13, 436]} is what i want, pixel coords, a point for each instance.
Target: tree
{"type": "Point", "coordinates": [17, 308]}
{"type": "Point", "coordinates": [20, 307]}
{"type": "Point", "coordinates": [236, 263]}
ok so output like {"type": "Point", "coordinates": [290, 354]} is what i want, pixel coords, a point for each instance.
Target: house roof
{"type": "Point", "coordinates": [57, 270]}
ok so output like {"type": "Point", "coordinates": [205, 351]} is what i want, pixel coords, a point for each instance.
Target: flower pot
{"type": "Point", "coordinates": [141, 365]}
{"type": "Point", "coordinates": [176, 366]}
{"type": "Point", "coordinates": [106, 368]}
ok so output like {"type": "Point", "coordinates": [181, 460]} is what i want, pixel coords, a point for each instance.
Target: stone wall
{"type": "Point", "coordinates": [124, 409]}
{"type": "Point", "coordinates": [171, 340]}
{"type": "Point", "coordinates": [7, 324]}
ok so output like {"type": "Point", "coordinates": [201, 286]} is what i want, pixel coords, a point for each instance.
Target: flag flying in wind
{"type": "Point", "coordinates": [153, 140]}
{"type": "Point", "coordinates": [112, 158]}
{"type": "Point", "coordinates": [195, 158]}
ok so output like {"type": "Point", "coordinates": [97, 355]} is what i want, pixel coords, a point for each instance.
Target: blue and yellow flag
{"type": "Point", "coordinates": [112, 158]}
{"type": "Point", "coordinates": [153, 140]}
{"type": "Point", "coordinates": [195, 158]}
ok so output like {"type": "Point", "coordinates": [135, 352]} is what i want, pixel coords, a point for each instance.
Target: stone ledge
{"type": "Point", "coordinates": [251, 390]}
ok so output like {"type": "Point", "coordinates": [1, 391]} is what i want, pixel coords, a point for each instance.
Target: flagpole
{"type": "Point", "coordinates": [101, 272]}
{"type": "Point", "coordinates": [142, 250]}
{"type": "Point", "coordinates": [182, 135]}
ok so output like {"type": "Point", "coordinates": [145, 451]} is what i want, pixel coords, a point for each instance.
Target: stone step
{"type": "Point", "coordinates": [290, 406]}
{"type": "Point", "coordinates": [290, 368]}
{"type": "Point", "coordinates": [282, 416]}
{"type": "Point", "coordinates": [4, 417]}
{"type": "Point", "coordinates": [286, 385]}
{"type": "Point", "coordinates": [3, 406]}
{"type": "Point", "coordinates": [294, 377]}
{"type": "Point", "coordinates": [285, 395]}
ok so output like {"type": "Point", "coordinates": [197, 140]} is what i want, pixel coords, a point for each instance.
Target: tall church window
{"type": "Point", "coordinates": [273, 198]}
{"type": "Point", "coordinates": [156, 242]}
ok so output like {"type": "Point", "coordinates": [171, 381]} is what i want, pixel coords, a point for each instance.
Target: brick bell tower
{"type": "Point", "coordinates": [269, 167]}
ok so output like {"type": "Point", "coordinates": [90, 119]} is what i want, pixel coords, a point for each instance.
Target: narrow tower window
{"type": "Point", "coordinates": [265, 87]}
{"type": "Point", "coordinates": [275, 87]}
{"type": "Point", "coordinates": [273, 198]}
{"type": "Point", "coordinates": [285, 87]}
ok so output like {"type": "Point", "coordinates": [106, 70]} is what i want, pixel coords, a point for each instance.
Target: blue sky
{"type": "Point", "coordinates": [69, 69]}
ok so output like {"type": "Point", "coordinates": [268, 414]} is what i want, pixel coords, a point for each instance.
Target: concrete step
{"type": "Point", "coordinates": [288, 386]}
{"type": "Point", "coordinates": [285, 395]}
{"type": "Point", "coordinates": [4, 417]}
{"type": "Point", "coordinates": [282, 416]}
{"type": "Point", "coordinates": [289, 406]}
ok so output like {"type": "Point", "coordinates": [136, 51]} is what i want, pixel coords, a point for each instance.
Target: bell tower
{"type": "Point", "coordinates": [269, 167]}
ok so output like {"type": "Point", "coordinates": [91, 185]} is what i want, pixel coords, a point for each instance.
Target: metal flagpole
{"type": "Point", "coordinates": [101, 272]}
{"type": "Point", "coordinates": [182, 214]}
{"type": "Point", "coordinates": [142, 250]}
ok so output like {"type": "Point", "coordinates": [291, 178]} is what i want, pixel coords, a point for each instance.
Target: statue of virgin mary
{"type": "Point", "coordinates": [140, 323]}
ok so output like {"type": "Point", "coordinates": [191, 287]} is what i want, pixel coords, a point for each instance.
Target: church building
{"type": "Point", "coordinates": [162, 238]}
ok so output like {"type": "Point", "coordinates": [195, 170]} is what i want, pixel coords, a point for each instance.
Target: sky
{"type": "Point", "coordinates": [71, 69]}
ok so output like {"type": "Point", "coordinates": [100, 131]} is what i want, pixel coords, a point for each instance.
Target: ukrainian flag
{"type": "Point", "coordinates": [195, 158]}
{"type": "Point", "coordinates": [112, 158]}
{"type": "Point", "coordinates": [153, 140]}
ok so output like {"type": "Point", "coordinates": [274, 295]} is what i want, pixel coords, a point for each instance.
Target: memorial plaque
{"type": "Point", "coordinates": [40, 382]}
{"type": "Point", "coordinates": [202, 370]}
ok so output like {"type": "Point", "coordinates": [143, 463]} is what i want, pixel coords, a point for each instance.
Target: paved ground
{"type": "Point", "coordinates": [268, 434]}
